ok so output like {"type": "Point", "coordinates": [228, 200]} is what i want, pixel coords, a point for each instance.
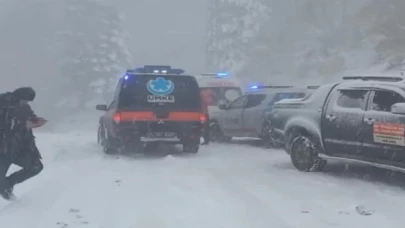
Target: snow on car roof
{"type": "Point", "coordinates": [374, 82]}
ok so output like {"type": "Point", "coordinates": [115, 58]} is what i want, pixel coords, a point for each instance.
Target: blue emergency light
{"type": "Point", "coordinates": [222, 74]}
{"type": "Point", "coordinates": [254, 86]}
{"type": "Point", "coordinates": [217, 75]}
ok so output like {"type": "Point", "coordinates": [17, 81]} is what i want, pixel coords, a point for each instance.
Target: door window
{"type": "Point", "coordinates": [352, 99]}
{"type": "Point", "coordinates": [282, 96]}
{"type": "Point", "coordinates": [118, 90]}
{"type": "Point", "coordinates": [254, 100]}
{"type": "Point", "coordinates": [383, 100]}
{"type": "Point", "coordinates": [238, 103]}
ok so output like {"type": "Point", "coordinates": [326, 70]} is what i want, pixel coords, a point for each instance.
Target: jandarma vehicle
{"type": "Point", "coordinates": [360, 119]}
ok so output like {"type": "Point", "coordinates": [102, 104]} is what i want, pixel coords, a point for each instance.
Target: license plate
{"type": "Point", "coordinates": [162, 134]}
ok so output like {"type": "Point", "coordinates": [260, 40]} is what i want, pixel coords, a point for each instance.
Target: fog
{"type": "Point", "coordinates": [153, 32]}
{"type": "Point", "coordinates": [73, 51]}
{"type": "Point", "coordinates": [167, 32]}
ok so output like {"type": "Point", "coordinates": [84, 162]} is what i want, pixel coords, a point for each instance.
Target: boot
{"type": "Point", "coordinates": [7, 193]}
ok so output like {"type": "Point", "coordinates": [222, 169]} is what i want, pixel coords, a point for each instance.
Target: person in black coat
{"type": "Point", "coordinates": [18, 141]}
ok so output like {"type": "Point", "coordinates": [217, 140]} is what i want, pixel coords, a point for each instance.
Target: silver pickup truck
{"type": "Point", "coordinates": [245, 116]}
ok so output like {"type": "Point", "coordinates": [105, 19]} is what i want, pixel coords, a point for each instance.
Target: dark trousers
{"type": "Point", "coordinates": [30, 164]}
{"type": "Point", "coordinates": [206, 135]}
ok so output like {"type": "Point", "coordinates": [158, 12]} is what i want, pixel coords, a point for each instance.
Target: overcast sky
{"type": "Point", "coordinates": [167, 32]}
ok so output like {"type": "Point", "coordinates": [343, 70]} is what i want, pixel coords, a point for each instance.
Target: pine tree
{"type": "Point", "coordinates": [93, 52]}
{"type": "Point", "coordinates": [237, 26]}
{"type": "Point", "coordinates": [383, 24]}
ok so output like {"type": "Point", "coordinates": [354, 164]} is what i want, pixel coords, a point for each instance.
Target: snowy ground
{"type": "Point", "coordinates": [224, 186]}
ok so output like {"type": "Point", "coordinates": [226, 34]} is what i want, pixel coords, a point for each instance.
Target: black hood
{"type": "Point", "coordinates": [24, 93]}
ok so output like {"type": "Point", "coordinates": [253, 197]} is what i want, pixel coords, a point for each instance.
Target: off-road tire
{"type": "Point", "coordinates": [304, 154]}
{"type": "Point", "coordinates": [216, 135]}
{"type": "Point", "coordinates": [110, 146]}
{"type": "Point", "coordinates": [100, 138]}
{"type": "Point", "coordinates": [268, 140]}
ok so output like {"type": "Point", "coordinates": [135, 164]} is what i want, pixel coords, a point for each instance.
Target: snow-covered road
{"type": "Point", "coordinates": [224, 186]}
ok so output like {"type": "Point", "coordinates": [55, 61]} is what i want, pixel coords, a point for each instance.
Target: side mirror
{"type": "Point", "coordinates": [101, 107]}
{"type": "Point", "coordinates": [222, 106]}
{"type": "Point", "coordinates": [398, 108]}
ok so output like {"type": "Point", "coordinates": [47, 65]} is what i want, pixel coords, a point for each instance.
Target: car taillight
{"type": "Point", "coordinates": [117, 118]}
{"type": "Point", "coordinates": [203, 118]}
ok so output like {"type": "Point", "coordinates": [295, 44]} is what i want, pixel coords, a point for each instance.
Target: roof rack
{"type": "Point", "coordinates": [282, 86]}
{"type": "Point", "coordinates": [375, 78]}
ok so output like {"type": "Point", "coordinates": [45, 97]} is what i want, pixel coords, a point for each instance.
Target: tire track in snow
{"type": "Point", "coordinates": [54, 213]}
{"type": "Point", "coordinates": [56, 180]}
{"type": "Point", "coordinates": [313, 199]}
{"type": "Point", "coordinates": [153, 193]}
{"type": "Point", "coordinates": [259, 214]}
{"type": "Point", "coordinates": [102, 204]}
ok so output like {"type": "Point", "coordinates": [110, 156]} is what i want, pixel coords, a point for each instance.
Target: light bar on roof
{"type": "Point", "coordinates": [222, 74]}
{"type": "Point", "coordinates": [218, 75]}
{"type": "Point", "coordinates": [155, 69]}
{"type": "Point", "coordinates": [273, 87]}
{"type": "Point", "coordinates": [374, 78]}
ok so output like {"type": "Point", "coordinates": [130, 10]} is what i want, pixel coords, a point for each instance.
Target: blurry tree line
{"type": "Point", "coordinates": [71, 51]}
{"type": "Point", "coordinates": [305, 38]}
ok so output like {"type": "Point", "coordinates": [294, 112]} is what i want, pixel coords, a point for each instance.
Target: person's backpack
{"type": "Point", "coordinates": [8, 107]}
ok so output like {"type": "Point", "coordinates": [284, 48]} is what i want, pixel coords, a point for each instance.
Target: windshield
{"type": "Point", "coordinates": [282, 96]}
{"type": "Point", "coordinates": [212, 95]}
{"type": "Point", "coordinates": [145, 92]}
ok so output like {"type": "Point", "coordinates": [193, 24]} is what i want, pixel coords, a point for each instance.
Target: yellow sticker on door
{"type": "Point", "coordinates": [389, 133]}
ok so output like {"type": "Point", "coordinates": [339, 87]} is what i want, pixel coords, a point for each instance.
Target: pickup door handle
{"type": "Point", "coordinates": [331, 117]}
{"type": "Point", "coordinates": [369, 120]}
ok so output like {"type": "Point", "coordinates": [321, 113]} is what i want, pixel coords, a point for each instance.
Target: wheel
{"type": "Point", "coordinates": [216, 135]}
{"type": "Point", "coordinates": [304, 154]}
{"type": "Point", "coordinates": [191, 147]}
{"type": "Point", "coordinates": [109, 147]}
{"type": "Point", "coordinates": [266, 136]}
{"type": "Point", "coordinates": [110, 144]}
{"type": "Point", "coordinates": [100, 135]}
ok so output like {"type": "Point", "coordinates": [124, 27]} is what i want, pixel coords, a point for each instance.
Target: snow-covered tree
{"type": "Point", "coordinates": [237, 24]}
{"type": "Point", "coordinates": [383, 24]}
{"type": "Point", "coordinates": [93, 52]}
{"type": "Point", "coordinates": [263, 39]}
